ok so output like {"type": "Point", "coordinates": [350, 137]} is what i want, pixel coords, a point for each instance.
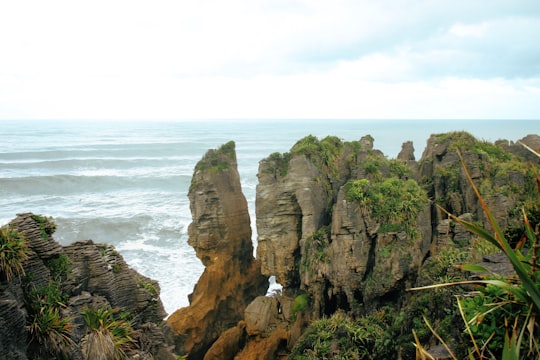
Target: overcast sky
{"type": "Point", "coordinates": [242, 59]}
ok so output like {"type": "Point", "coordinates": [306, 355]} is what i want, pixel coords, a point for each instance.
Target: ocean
{"type": "Point", "coordinates": [125, 183]}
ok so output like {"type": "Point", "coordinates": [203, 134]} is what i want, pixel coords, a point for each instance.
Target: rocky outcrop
{"type": "Point", "coordinates": [500, 172]}
{"type": "Point", "coordinates": [407, 152]}
{"type": "Point", "coordinates": [341, 251]}
{"type": "Point", "coordinates": [314, 239]}
{"type": "Point", "coordinates": [220, 233]}
{"type": "Point", "coordinates": [42, 307]}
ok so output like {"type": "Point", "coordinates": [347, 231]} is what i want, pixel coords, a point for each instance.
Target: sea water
{"type": "Point", "coordinates": [125, 183]}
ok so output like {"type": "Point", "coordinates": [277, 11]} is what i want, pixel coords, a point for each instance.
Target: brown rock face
{"type": "Point", "coordinates": [337, 250]}
{"type": "Point", "coordinates": [407, 152]}
{"type": "Point", "coordinates": [220, 233]}
{"type": "Point", "coordinates": [313, 239]}
{"type": "Point", "coordinates": [498, 170]}
{"type": "Point", "coordinates": [288, 210]}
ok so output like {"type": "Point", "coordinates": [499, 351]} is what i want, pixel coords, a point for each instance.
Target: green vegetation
{"type": "Point", "coordinates": [340, 337]}
{"type": "Point", "coordinates": [498, 169]}
{"type": "Point", "coordinates": [300, 304]}
{"type": "Point", "coordinates": [500, 315]}
{"type": "Point", "coordinates": [44, 296]}
{"type": "Point", "coordinates": [387, 331]}
{"type": "Point", "coordinates": [213, 159]}
{"type": "Point", "coordinates": [46, 225]}
{"type": "Point", "coordinates": [59, 266]}
{"type": "Point", "coordinates": [315, 250]}
{"type": "Point", "coordinates": [399, 169]}
{"type": "Point", "coordinates": [50, 334]}
{"type": "Point", "coordinates": [281, 162]}
{"type": "Point", "coordinates": [116, 268]}
{"type": "Point", "coordinates": [110, 334]}
{"type": "Point", "coordinates": [392, 201]}
{"type": "Point", "coordinates": [495, 317]}
{"type": "Point", "coordinates": [49, 331]}
{"type": "Point", "coordinates": [324, 154]}
{"type": "Point", "coordinates": [149, 287]}
{"type": "Point", "coordinates": [13, 252]}
{"type": "Point", "coordinates": [372, 166]}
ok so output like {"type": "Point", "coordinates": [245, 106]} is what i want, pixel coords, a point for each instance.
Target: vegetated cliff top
{"type": "Point", "coordinates": [353, 230]}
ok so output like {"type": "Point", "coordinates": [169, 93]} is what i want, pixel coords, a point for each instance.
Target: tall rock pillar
{"type": "Point", "coordinates": [220, 233]}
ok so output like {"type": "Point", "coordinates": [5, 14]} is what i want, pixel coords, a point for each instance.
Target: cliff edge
{"type": "Point", "coordinates": [346, 230]}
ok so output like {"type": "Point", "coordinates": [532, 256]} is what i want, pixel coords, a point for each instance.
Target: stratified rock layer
{"type": "Point", "coordinates": [318, 241]}
{"type": "Point", "coordinates": [96, 277]}
{"type": "Point", "coordinates": [220, 233]}
{"type": "Point", "coordinates": [352, 263]}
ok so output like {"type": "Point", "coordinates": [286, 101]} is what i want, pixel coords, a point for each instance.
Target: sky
{"type": "Point", "coordinates": [254, 59]}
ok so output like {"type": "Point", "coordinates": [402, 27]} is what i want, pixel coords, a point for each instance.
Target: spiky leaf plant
{"type": "Point", "coordinates": [109, 335]}
{"type": "Point", "coordinates": [13, 252]}
{"type": "Point", "coordinates": [500, 315]}
{"type": "Point", "coordinates": [50, 334]}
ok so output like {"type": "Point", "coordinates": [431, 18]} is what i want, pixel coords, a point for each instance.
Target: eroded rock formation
{"type": "Point", "coordinates": [220, 233]}
{"type": "Point", "coordinates": [59, 283]}
{"type": "Point", "coordinates": [344, 253]}
{"type": "Point", "coordinates": [313, 238]}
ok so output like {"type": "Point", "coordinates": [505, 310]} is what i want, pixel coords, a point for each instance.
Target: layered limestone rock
{"type": "Point", "coordinates": [318, 239]}
{"type": "Point", "coordinates": [287, 216]}
{"type": "Point", "coordinates": [314, 239]}
{"type": "Point", "coordinates": [500, 171]}
{"type": "Point", "coordinates": [81, 276]}
{"type": "Point", "coordinates": [220, 233]}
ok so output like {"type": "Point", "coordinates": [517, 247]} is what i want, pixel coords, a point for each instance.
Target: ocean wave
{"type": "Point", "coordinates": [63, 184]}
{"type": "Point", "coordinates": [123, 170]}
{"type": "Point", "coordinates": [122, 150]}
{"type": "Point", "coordinates": [110, 230]}
{"type": "Point", "coordinates": [70, 162]}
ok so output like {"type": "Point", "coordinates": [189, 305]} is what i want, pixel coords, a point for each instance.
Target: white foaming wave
{"type": "Point", "coordinates": [176, 268]}
{"type": "Point", "coordinates": [148, 172]}
{"type": "Point", "coordinates": [61, 184]}
{"type": "Point", "coordinates": [15, 159]}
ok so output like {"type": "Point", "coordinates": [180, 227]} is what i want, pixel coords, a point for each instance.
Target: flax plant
{"type": "Point", "coordinates": [109, 337]}
{"type": "Point", "coordinates": [513, 302]}
{"type": "Point", "coordinates": [13, 252]}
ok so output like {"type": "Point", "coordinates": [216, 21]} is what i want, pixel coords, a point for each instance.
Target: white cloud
{"type": "Point", "coordinates": [469, 30]}
{"type": "Point", "coordinates": [269, 58]}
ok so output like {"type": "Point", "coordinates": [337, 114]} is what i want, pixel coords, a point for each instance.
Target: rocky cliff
{"type": "Point", "coordinates": [344, 229]}
{"type": "Point", "coordinates": [47, 305]}
{"type": "Point", "coordinates": [315, 238]}
{"type": "Point", "coordinates": [220, 233]}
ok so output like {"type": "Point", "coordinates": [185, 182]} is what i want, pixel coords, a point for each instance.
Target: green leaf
{"type": "Point", "coordinates": [473, 268]}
